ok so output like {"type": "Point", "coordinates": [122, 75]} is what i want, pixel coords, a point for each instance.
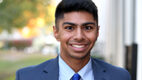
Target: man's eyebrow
{"type": "Point", "coordinates": [87, 23]}
{"type": "Point", "coordinates": [68, 23]}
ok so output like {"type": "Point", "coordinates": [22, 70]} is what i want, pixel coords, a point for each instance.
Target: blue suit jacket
{"type": "Point", "coordinates": [49, 70]}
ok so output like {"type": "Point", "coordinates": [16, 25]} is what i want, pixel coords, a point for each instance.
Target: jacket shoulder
{"type": "Point", "coordinates": [33, 67]}
{"type": "Point", "coordinates": [113, 71]}
{"type": "Point", "coordinates": [31, 72]}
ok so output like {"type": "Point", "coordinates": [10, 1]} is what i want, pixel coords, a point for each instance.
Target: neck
{"type": "Point", "coordinates": [76, 64]}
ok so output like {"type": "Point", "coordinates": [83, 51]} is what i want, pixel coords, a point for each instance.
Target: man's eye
{"type": "Point", "coordinates": [69, 28]}
{"type": "Point", "coordinates": [88, 27]}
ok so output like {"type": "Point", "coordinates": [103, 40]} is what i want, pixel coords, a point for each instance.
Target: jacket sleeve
{"type": "Point", "coordinates": [17, 75]}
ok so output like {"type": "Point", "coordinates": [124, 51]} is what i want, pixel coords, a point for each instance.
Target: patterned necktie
{"type": "Point", "coordinates": [76, 77]}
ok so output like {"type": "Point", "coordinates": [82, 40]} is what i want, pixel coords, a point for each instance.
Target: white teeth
{"type": "Point", "coordinates": [78, 46]}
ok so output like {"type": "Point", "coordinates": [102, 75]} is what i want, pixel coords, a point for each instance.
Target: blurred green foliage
{"type": "Point", "coordinates": [16, 13]}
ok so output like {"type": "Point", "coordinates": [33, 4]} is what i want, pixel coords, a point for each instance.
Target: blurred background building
{"type": "Point", "coordinates": [122, 36]}
{"type": "Point", "coordinates": [26, 28]}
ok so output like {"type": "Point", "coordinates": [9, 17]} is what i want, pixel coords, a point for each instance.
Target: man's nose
{"type": "Point", "coordinates": [79, 35]}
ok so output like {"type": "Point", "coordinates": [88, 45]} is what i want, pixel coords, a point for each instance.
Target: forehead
{"type": "Point", "coordinates": [77, 17]}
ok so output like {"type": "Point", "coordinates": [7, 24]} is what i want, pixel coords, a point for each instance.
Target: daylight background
{"type": "Point", "coordinates": [26, 35]}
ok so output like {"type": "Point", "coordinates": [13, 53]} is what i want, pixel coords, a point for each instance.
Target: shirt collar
{"type": "Point", "coordinates": [67, 72]}
{"type": "Point", "coordinates": [85, 70]}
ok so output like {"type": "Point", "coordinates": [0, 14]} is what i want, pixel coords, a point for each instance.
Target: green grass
{"type": "Point", "coordinates": [8, 67]}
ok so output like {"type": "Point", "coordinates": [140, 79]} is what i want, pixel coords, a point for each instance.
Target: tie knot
{"type": "Point", "coordinates": [76, 76]}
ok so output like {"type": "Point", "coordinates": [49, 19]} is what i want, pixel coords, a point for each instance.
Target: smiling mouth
{"type": "Point", "coordinates": [78, 46]}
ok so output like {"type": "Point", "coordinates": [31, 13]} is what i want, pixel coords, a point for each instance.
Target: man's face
{"type": "Point", "coordinates": [77, 34]}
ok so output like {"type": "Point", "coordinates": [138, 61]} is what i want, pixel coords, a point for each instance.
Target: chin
{"type": "Point", "coordinates": [81, 56]}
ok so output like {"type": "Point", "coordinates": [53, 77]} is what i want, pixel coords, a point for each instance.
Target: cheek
{"type": "Point", "coordinates": [92, 37]}
{"type": "Point", "coordinates": [64, 37]}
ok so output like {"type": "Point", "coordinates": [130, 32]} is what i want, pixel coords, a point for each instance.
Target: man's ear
{"type": "Point", "coordinates": [56, 33]}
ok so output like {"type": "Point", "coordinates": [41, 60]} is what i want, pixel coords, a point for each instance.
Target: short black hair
{"type": "Point", "coordinates": [66, 6]}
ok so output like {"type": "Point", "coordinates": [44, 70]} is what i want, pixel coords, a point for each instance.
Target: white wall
{"type": "Point", "coordinates": [139, 37]}
{"type": "Point", "coordinates": [114, 33]}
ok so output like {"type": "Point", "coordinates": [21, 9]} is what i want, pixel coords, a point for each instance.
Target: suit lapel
{"type": "Point", "coordinates": [98, 70]}
{"type": "Point", "coordinates": [51, 71]}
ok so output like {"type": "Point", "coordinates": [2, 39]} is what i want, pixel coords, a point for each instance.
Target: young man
{"type": "Point", "coordinates": [76, 28]}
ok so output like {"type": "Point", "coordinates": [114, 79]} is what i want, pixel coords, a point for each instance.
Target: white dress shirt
{"type": "Point", "coordinates": [66, 73]}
